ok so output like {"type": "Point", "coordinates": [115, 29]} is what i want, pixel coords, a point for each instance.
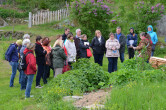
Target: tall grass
{"type": "Point", "coordinates": [138, 96]}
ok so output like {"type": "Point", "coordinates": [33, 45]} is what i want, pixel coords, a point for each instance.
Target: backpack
{"type": "Point", "coordinates": [22, 64]}
{"type": "Point", "coordinates": [6, 56]}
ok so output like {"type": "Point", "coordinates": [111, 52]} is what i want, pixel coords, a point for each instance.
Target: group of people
{"type": "Point", "coordinates": [67, 49]}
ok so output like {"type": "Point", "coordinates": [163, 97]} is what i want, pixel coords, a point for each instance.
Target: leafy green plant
{"type": "Point", "coordinates": [92, 16]}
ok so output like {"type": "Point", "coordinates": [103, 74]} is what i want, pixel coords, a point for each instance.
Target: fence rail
{"type": "Point", "coordinates": [47, 16]}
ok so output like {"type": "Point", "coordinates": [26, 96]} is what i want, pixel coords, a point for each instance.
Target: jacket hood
{"type": "Point", "coordinates": [27, 50]}
{"type": "Point", "coordinates": [151, 28]}
{"type": "Point", "coordinates": [57, 47]}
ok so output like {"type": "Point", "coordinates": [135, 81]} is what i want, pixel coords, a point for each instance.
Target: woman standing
{"type": "Point", "coordinates": [71, 49]}
{"type": "Point", "coordinates": [47, 48]}
{"type": "Point", "coordinates": [131, 42]}
{"type": "Point", "coordinates": [59, 57]}
{"type": "Point", "coordinates": [112, 53]}
{"type": "Point", "coordinates": [40, 59]}
{"type": "Point", "coordinates": [144, 43]}
{"type": "Point", "coordinates": [98, 46]}
{"type": "Point", "coordinates": [84, 45]}
{"type": "Point", "coordinates": [154, 38]}
{"type": "Point", "coordinates": [31, 67]}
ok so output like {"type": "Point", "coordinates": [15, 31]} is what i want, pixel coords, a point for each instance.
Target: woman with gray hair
{"type": "Point", "coordinates": [22, 75]}
{"type": "Point", "coordinates": [26, 36]}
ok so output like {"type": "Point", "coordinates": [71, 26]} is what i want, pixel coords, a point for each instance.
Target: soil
{"type": "Point", "coordinates": [98, 97]}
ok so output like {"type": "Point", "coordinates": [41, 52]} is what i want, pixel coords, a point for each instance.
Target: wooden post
{"type": "Point", "coordinates": [38, 16]}
{"type": "Point", "coordinates": [30, 20]}
{"type": "Point", "coordinates": [58, 15]}
{"type": "Point", "coordinates": [33, 19]}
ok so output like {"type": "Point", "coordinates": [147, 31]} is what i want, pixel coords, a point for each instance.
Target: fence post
{"type": "Point", "coordinates": [30, 20]}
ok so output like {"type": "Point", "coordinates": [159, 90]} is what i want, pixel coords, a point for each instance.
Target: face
{"type": "Point", "coordinates": [79, 33]}
{"type": "Point", "coordinates": [84, 38]}
{"type": "Point", "coordinates": [118, 31]}
{"type": "Point", "coordinates": [71, 38]}
{"type": "Point", "coordinates": [141, 37]}
{"type": "Point", "coordinates": [149, 29]}
{"type": "Point", "coordinates": [111, 36]}
{"type": "Point", "coordinates": [67, 31]}
{"type": "Point", "coordinates": [131, 31]}
{"type": "Point", "coordinates": [98, 34]}
{"type": "Point", "coordinates": [40, 41]}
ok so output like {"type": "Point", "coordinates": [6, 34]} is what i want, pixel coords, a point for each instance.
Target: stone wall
{"type": "Point", "coordinates": [161, 26]}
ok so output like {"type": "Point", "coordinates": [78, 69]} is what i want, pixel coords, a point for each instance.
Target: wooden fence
{"type": "Point", "coordinates": [47, 16]}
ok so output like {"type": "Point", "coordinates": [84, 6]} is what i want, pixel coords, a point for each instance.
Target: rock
{"type": "Point", "coordinates": [2, 22]}
{"type": "Point", "coordinates": [72, 98]}
{"type": "Point", "coordinates": [95, 107]}
{"type": "Point", "coordinates": [161, 26]}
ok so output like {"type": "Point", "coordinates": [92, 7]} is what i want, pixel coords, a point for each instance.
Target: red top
{"type": "Point", "coordinates": [31, 63]}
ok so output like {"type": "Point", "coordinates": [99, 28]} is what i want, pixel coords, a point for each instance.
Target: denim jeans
{"type": "Point", "coordinates": [19, 75]}
{"type": "Point", "coordinates": [122, 57]}
{"type": "Point", "coordinates": [29, 84]}
{"type": "Point", "coordinates": [98, 58]}
{"type": "Point", "coordinates": [40, 72]}
{"type": "Point", "coordinates": [23, 80]}
{"type": "Point", "coordinates": [112, 65]}
{"type": "Point", "coordinates": [14, 71]}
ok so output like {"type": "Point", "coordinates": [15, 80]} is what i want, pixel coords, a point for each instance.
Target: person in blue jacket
{"type": "Point", "coordinates": [131, 42]}
{"type": "Point", "coordinates": [154, 38]}
{"type": "Point", "coordinates": [13, 58]}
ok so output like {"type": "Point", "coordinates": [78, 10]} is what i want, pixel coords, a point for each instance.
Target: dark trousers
{"type": "Point", "coordinates": [40, 72]}
{"type": "Point", "coordinates": [112, 65]}
{"type": "Point", "coordinates": [46, 73]}
{"type": "Point", "coordinates": [122, 57]}
{"type": "Point", "coordinates": [98, 58]}
{"type": "Point", "coordinates": [131, 53]}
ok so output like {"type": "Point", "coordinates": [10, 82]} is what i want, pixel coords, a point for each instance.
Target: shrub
{"type": "Point", "coordinates": [92, 16]}
{"type": "Point", "coordinates": [159, 51]}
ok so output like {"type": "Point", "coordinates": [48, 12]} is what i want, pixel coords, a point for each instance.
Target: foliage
{"type": "Point", "coordinates": [133, 70]}
{"type": "Point", "coordinates": [92, 16]}
{"type": "Point", "coordinates": [159, 50]}
{"type": "Point", "coordinates": [4, 13]}
{"type": "Point", "coordinates": [138, 96]}
{"type": "Point", "coordinates": [147, 14]}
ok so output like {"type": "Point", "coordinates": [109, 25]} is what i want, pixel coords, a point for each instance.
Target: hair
{"type": "Point", "coordinates": [97, 32]}
{"type": "Point", "coordinates": [58, 36]}
{"type": "Point", "coordinates": [38, 38]}
{"type": "Point", "coordinates": [83, 35]}
{"type": "Point", "coordinates": [19, 42]}
{"type": "Point", "coordinates": [45, 41]}
{"type": "Point", "coordinates": [30, 46]}
{"type": "Point", "coordinates": [77, 30]}
{"type": "Point", "coordinates": [26, 36]}
{"type": "Point", "coordinates": [118, 27]}
{"type": "Point", "coordinates": [69, 35]}
{"type": "Point", "coordinates": [26, 41]}
{"type": "Point", "coordinates": [111, 34]}
{"type": "Point", "coordinates": [145, 35]}
{"type": "Point", "coordinates": [58, 42]}
{"type": "Point", "coordinates": [66, 29]}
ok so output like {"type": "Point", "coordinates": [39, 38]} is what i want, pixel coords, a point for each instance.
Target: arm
{"type": "Point", "coordinates": [135, 41]}
{"type": "Point", "coordinates": [92, 43]}
{"type": "Point", "coordinates": [81, 45]}
{"type": "Point", "coordinates": [107, 46]}
{"type": "Point", "coordinates": [117, 46]}
{"type": "Point", "coordinates": [68, 48]}
{"type": "Point", "coordinates": [10, 51]}
{"type": "Point", "coordinates": [140, 46]}
{"type": "Point", "coordinates": [63, 55]}
{"type": "Point", "coordinates": [41, 51]}
{"type": "Point", "coordinates": [155, 39]}
{"type": "Point", "coordinates": [32, 62]}
{"type": "Point", "coordinates": [128, 44]}
{"type": "Point", "coordinates": [123, 42]}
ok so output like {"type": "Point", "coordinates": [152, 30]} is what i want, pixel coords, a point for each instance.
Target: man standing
{"type": "Point", "coordinates": [77, 42]}
{"type": "Point", "coordinates": [64, 36]}
{"type": "Point", "coordinates": [122, 40]}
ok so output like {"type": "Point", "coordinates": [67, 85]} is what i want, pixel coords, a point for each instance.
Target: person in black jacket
{"type": "Point", "coordinates": [131, 42]}
{"type": "Point", "coordinates": [77, 39]}
{"type": "Point", "coordinates": [98, 46]}
{"type": "Point", "coordinates": [122, 40]}
{"type": "Point", "coordinates": [84, 45]}
{"type": "Point", "coordinates": [40, 59]}
{"type": "Point", "coordinates": [64, 36]}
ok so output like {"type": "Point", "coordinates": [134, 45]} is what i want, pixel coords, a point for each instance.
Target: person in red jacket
{"type": "Point", "coordinates": [31, 67]}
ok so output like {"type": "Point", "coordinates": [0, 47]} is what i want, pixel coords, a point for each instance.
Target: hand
{"type": "Point", "coordinates": [113, 48]}
{"type": "Point", "coordinates": [134, 48]}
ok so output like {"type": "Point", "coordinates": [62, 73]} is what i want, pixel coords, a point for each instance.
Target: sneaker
{"type": "Point", "coordinates": [39, 86]}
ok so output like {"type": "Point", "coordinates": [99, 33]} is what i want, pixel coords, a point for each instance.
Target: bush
{"type": "Point", "coordinates": [4, 13]}
{"type": "Point", "coordinates": [92, 16]}
{"type": "Point", "coordinates": [159, 51]}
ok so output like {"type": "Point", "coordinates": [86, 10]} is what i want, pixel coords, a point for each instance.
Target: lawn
{"type": "Point", "coordinates": [13, 97]}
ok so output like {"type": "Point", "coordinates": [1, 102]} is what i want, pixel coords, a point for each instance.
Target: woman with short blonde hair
{"type": "Point", "coordinates": [98, 47]}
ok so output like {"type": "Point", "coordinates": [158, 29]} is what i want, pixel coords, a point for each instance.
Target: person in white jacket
{"type": "Point", "coordinates": [71, 49]}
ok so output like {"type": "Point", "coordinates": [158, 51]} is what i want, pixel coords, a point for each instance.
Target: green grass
{"type": "Point", "coordinates": [138, 96]}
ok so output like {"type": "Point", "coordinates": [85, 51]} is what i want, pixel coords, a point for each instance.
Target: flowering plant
{"type": "Point", "coordinates": [91, 16]}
